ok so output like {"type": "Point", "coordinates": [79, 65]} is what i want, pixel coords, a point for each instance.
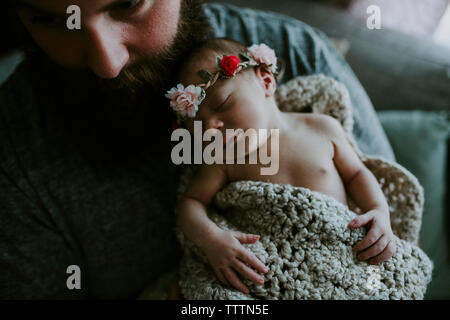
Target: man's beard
{"type": "Point", "coordinates": [153, 74]}
{"type": "Point", "coordinates": [123, 112]}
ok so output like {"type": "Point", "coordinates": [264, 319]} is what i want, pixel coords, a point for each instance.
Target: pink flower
{"type": "Point", "coordinates": [185, 101]}
{"type": "Point", "coordinates": [263, 54]}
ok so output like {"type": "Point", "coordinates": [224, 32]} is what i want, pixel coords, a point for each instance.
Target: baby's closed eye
{"type": "Point", "coordinates": [222, 104]}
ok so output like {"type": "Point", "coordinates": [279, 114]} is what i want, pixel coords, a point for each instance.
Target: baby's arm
{"type": "Point", "coordinates": [223, 249]}
{"type": "Point", "coordinates": [378, 245]}
{"type": "Point", "coordinates": [191, 209]}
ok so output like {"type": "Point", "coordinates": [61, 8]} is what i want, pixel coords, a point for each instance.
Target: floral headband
{"type": "Point", "coordinates": [185, 101]}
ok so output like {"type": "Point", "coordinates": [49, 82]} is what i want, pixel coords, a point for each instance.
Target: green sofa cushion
{"type": "Point", "coordinates": [419, 140]}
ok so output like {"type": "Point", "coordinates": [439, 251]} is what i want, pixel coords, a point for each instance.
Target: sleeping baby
{"type": "Point", "coordinates": [226, 85]}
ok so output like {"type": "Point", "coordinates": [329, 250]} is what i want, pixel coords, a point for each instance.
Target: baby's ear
{"type": "Point", "coordinates": [266, 80]}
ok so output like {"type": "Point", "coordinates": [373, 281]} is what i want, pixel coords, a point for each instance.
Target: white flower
{"type": "Point", "coordinates": [185, 101]}
{"type": "Point", "coordinates": [263, 54]}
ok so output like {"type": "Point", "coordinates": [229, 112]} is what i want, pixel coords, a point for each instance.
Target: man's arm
{"type": "Point", "coordinates": [306, 51]}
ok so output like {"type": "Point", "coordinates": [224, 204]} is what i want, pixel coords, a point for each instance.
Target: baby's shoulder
{"type": "Point", "coordinates": [319, 123]}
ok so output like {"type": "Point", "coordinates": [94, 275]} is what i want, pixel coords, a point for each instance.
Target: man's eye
{"type": "Point", "coordinates": [128, 5]}
{"type": "Point", "coordinates": [126, 9]}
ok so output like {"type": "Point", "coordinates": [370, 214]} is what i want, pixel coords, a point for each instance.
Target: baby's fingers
{"type": "Point", "coordinates": [253, 261]}
{"type": "Point", "coordinates": [377, 248]}
{"type": "Point", "coordinates": [222, 278]}
{"type": "Point", "coordinates": [247, 272]}
{"type": "Point", "coordinates": [235, 281]}
{"type": "Point", "coordinates": [371, 237]}
{"type": "Point", "coordinates": [361, 220]}
{"type": "Point", "coordinates": [386, 254]}
{"type": "Point", "coordinates": [245, 237]}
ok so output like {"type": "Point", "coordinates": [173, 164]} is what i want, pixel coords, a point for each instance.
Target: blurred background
{"type": "Point", "coordinates": [405, 69]}
{"type": "Point", "coordinates": [404, 65]}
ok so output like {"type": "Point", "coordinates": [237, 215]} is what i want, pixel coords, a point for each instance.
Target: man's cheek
{"type": "Point", "coordinates": [158, 30]}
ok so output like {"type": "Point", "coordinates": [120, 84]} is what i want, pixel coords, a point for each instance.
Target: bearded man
{"type": "Point", "coordinates": [85, 172]}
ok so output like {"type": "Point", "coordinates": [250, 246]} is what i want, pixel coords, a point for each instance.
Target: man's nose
{"type": "Point", "coordinates": [106, 53]}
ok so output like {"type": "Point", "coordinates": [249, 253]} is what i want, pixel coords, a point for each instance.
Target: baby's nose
{"type": "Point", "coordinates": [214, 124]}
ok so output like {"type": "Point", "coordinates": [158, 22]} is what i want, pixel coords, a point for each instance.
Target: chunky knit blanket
{"type": "Point", "coordinates": [305, 240]}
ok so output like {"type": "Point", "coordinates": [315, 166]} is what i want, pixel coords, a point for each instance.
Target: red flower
{"type": "Point", "coordinates": [229, 65]}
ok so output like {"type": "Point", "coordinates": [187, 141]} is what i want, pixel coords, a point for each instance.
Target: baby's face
{"type": "Point", "coordinates": [237, 103]}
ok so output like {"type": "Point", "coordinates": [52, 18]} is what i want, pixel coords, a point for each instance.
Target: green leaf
{"type": "Point", "coordinates": [218, 62]}
{"type": "Point", "coordinates": [205, 75]}
{"type": "Point", "coordinates": [245, 56]}
{"type": "Point", "coordinates": [202, 96]}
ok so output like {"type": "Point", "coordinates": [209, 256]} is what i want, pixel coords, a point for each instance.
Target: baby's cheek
{"type": "Point", "coordinates": [253, 118]}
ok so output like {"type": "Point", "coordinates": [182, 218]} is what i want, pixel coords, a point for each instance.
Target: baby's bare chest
{"type": "Point", "coordinates": [305, 161]}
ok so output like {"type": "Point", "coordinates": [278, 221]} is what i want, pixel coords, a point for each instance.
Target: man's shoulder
{"type": "Point", "coordinates": [16, 94]}
{"type": "Point", "coordinates": [225, 10]}
{"type": "Point", "coordinates": [294, 42]}
{"type": "Point", "coordinates": [15, 83]}
{"type": "Point", "coordinates": [18, 113]}
{"type": "Point", "coordinates": [9, 63]}
{"type": "Point", "coordinates": [224, 18]}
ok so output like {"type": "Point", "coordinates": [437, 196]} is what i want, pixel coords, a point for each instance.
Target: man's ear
{"type": "Point", "coordinates": [266, 80]}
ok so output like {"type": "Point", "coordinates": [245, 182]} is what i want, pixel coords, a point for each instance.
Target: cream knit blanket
{"type": "Point", "coordinates": [306, 244]}
{"type": "Point", "coordinates": [305, 240]}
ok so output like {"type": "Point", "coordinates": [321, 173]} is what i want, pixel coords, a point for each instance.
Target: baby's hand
{"type": "Point", "coordinates": [379, 243]}
{"type": "Point", "coordinates": [227, 255]}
